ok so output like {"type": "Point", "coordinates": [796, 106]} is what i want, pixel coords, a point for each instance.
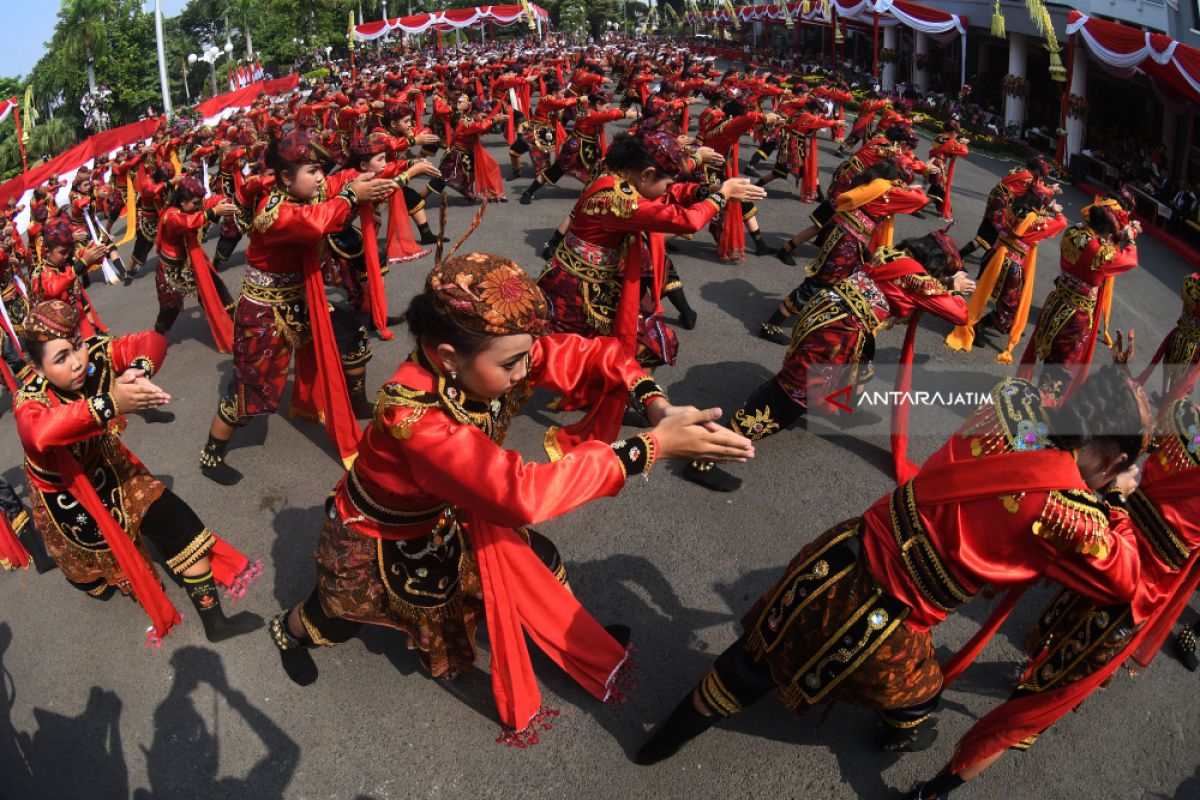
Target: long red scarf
{"type": "Point", "coordinates": [320, 387]}
{"type": "Point", "coordinates": [946, 212]}
{"type": "Point", "coordinates": [206, 290]}
{"type": "Point", "coordinates": [230, 568]}
{"type": "Point", "coordinates": [488, 182]}
{"type": "Point", "coordinates": [13, 554]}
{"type": "Point", "coordinates": [1029, 357]}
{"type": "Point", "coordinates": [375, 292]}
{"type": "Point", "coordinates": [401, 246]}
{"type": "Point", "coordinates": [905, 469]}
{"type": "Point", "coordinates": [144, 583]}
{"type": "Point", "coordinates": [521, 596]}
{"type": "Point", "coordinates": [603, 419]}
{"type": "Point", "coordinates": [808, 187]}
{"type": "Point", "coordinates": [732, 246]}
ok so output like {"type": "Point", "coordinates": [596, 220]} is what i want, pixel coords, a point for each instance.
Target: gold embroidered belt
{"type": "Point", "coordinates": [921, 559]}
{"type": "Point", "coordinates": [380, 514]}
{"type": "Point", "coordinates": [273, 288]}
{"type": "Point", "coordinates": [1080, 294]}
{"type": "Point", "coordinates": [586, 261]}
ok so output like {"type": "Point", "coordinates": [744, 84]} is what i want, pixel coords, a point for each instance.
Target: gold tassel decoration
{"type": "Point", "coordinates": [997, 21]}
{"type": "Point", "coordinates": [737, 23]}
{"type": "Point", "coordinates": [787, 17]}
{"type": "Point", "coordinates": [1058, 73]}
{"type": "Point", "coordinates": [838, 37]}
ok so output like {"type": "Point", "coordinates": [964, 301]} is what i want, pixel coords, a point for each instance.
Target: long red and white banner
{"type": "Point", "coordinates": [67, 163]}
{"type": "Point", "coordinates": [454, 18]}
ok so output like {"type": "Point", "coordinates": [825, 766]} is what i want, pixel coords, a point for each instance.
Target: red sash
{"type": "Point", "coordinates": [206, 290]}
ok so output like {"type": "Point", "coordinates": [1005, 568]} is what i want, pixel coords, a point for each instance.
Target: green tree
{"type": "Point", "coordinates": [49, 138]}
{"type": "Point", "coordinates": [83, 29]}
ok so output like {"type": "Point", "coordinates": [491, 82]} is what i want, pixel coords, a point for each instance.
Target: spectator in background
{"type": "Point", "coordinates": [1183, 202]}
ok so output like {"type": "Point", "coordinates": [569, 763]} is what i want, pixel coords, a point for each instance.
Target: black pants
{"type": "Point", "coordinates": [141, 249]}
{"type": "Point", "coordinates": [175, 532]}
{"type": "Point", "coordinates": [8, 350]}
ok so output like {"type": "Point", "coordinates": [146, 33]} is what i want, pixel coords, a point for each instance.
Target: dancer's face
{"type": "Point", "coordinates": [498, 367]}
{"type": "Point", "coordinates": [56, 256]}
{"type": "Point", "coordinates": [304, 181]}
{"type": "Point", "coordinates": [64, 363]}
{"type": "Point", "coordinates": [374, 164]}
{"type": "Point", "coordinates": [650, 183]}
{"type": "Point", "coordinates": [402, 126]}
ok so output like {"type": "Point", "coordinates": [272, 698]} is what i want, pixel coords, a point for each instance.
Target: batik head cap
{"type": "Point", "coordinates": [302, 146]}
{"type": "Point", "coordinates": [366, 145]}
{"type": "Point", "coordinates": [57, 233]}
{"type": "Point", "coordinates": [1112, 208]}
{"type": "Point", "coordinates": [488, 294]}
{"type": "Point", "coordinates": [191, 185]}
{"type": "Point", "coordinates": [665, 150]}
{"type": "Point", "coordinates": [50, 320]}
{"type": "Point", "coordinates": [397, 110]}
{"type": "Point", "coordinates": [954, 261]}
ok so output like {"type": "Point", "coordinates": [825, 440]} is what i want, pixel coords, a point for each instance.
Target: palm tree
{"type": "Point", "coordinates": [83, 29]}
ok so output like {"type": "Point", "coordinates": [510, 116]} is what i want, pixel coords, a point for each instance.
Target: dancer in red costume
{"type": "Point", "coordinates": [427, 532]}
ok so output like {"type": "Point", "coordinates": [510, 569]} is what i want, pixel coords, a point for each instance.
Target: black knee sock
{"type": "Point", "coordinates": [778, 318]}
{"type": "Point", "coordinates": [202, 591]}
{"type": "Point", "coordinates": [687, 315]}
{"type": "Point", "coordinates": [166, 318]}
{"type": "Point", "coordinates": [293, 651]}
{"type": "Point", "coordinates": [212, 462]}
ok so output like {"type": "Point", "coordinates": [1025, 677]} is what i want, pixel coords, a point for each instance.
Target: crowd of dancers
{"type": "Point", "coordinates": [1075, 476]}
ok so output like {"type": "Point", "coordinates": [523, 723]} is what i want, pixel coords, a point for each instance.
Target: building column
{"type": "Point", "coordinates": [891, 41]}
{"type": "Point", "coordinates": [1014, 105]}
{"type": "Point", "coordinates": [920, 77]}
{"type": "Point", "coordinates": [1075, 124]}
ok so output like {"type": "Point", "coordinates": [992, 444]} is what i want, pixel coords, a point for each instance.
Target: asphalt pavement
{"type": "Point", "coordinates": [86, 711]}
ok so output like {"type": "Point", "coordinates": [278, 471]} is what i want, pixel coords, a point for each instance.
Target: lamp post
{"type": "Point", "coordinates": [210, 56]}
{"type": "Point", "coordinates": [162, 61]}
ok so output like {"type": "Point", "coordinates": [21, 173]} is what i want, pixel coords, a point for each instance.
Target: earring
{"type": "Point", "coordinates": [453, 375]}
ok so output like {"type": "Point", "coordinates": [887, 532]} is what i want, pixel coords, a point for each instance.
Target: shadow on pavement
{"type": "Point", "coordinates": [184, 758]}
{"type": "Point", "coordinates": [33, 766]}
{"type": "Point", "coordinates": [296, 533]}
{"type": "Point", "coordinates": [744, 301]}
{"type": "Point", "coordinates": [631, 590]}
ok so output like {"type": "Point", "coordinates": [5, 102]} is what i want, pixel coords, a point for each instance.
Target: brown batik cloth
{"type": "Point", "coordinates": [428, 587]}
{"type": "Point", "coordinates": [73, 538]}
{"type": "Point", "coordinates": [828, 630]}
